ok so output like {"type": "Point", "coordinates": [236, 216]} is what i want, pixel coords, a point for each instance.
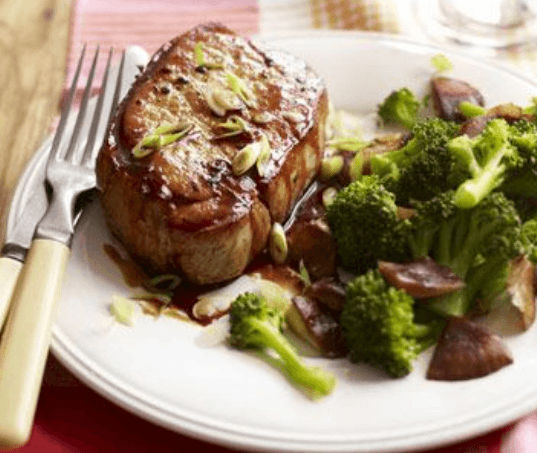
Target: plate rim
{"type": "Point", "coordinates": [99, 382]}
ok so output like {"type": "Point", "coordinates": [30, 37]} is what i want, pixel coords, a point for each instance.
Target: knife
{"type": "Point", "coordinates": [30, 195]}
{"type": "Point", "coordinates": [30, 199]}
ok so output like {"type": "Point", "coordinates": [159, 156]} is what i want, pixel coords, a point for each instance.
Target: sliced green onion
{"type": "Point", "coordinates": [151, 141]}
{"type": "Point", "coordinates": [123, 310]}
{"type": "Point", "coordinates": [441, 63]}
{"type": "Point", "coordinates": [264, 156]}
{"type": "Point", "coordinates": [470, 110]}
{"type": "Point", "coordinates": [261, 118]}
{"type": "Point", "coordinates": [164, 298]}
{"type": "Point", "coordinates": [240, 87]}
{"type": "Point", "coordinates": [246, 158]}
{"type": "Point", "coordinates": [234, 125]}
{"type": "Point", "coordinates": [169, 128]}
{"type": "Point", "coordinates": [352, 144]}
{"type": "Point", "coordinates": [199, 55]}
{"type": "Point", "coordinates": [331, 166]}
{"type": "Point", "coordinates": [221, 100]}
{"type": "Point", "coordinates": [294, 117]}
{"type": "Point", "coordinates": [356, 166]}
{"type": "Point", "coordinates": [170, 138]}
{"type": "Point", "coordinates": [146, 146]}
{"type": "Point", "coordinates": [304, 274]}
{"type": "Point", "coordinates": [159, 138]}
{"type": "Point", "coordinates": [278, 243]}
{"type": "Point", "coordinates": [328, 196]}
{"type": "Point", "coordinates": [173, 281]}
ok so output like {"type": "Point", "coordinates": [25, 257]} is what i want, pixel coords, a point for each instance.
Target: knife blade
{"type": "Point", "coordinates": [30, 200]}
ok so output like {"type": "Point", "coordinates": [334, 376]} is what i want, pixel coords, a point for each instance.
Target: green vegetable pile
{"type": "Point", "coordinates": [466, 195]}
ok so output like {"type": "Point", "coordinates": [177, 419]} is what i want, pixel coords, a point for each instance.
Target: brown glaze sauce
{"type": "Point", "coordinates": [185, 296]}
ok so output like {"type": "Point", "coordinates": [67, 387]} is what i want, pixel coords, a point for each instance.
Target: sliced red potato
{"type": "Point", "coordinates": [404, 213]}
{"type": "Point", "coordinates": [467, 350]}
{"type": "Point", "coordinates": [448, 93]}
{"type": "Point", "coordinates": [520, 286]}
{"type": "Point", "coordinates": [422, 278]}
{"type": "Point", "coordinates": [318, 328]}
{"type": "Point", "coordinates": [514, 309]}
{"type": "Point", "coordinates": [509, 112]}
{"type": "Point", "coordinates": [328, 292]}
{"type": "Point", "coordinates": [311, 242]}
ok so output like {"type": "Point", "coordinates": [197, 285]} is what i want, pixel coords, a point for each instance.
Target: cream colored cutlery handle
{"type": "Point", "coordinates": [9, 272]}
{"type": "Point", "coordinates": [25, 342]}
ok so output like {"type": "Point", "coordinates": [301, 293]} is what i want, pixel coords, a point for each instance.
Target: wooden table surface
{"type": "Point", "coordinates": [34, 37]}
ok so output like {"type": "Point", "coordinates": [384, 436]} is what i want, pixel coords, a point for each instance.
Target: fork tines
{"type": "Point", "coordinates": [71, 152]}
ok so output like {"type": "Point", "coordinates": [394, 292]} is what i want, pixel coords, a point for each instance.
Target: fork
{"type": "Point", "coordinates": [26, 338]}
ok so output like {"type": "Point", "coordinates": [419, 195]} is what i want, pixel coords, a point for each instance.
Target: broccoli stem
{"type": "Point", "coordinates": [443, 252]}
{"type": "Point", "coordinates": [470, 110]}
{"type": "Point", "coordinates": [472, 191]}
{"type": "Point", "coordinates": [421, 244]}
{"type": "Point", "coordinates": [317, 381]}
{"type": "Point", "coordinates": [382, 167]}
{"type": "Point", "coordinates": [454, 304]}
{"type": "Point", "coordinates": [459, 303]}
{"type": "Point", "coordinates": [461, 148]}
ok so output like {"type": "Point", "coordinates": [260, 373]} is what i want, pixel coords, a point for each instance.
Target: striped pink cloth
{"type": "Point", "coordinates": [148, 23]}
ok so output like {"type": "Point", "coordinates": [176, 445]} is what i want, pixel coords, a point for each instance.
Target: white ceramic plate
{"type": "Point", "coordinates": [159, 370]}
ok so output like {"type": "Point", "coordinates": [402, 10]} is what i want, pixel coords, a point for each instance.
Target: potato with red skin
{"type": "Point", "coordinates": [467, 350]}
{"type": "Point", "coordinates": [422, 278]}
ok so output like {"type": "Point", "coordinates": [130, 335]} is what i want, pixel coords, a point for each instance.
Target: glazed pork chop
{"type": "Point", "coordinates": [217, 138]}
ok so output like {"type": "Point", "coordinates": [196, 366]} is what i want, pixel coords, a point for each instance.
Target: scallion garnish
{"type": "Point", "coordinates": [328, 196]}
{"type": "Point", "coordinates": [304, 274]}
{"type": "Point", "coordinates": [123, 310]}
{"type": "Point", "coordinates": [172, 281]}
{"type": "Point", "coordinates": [264, 156]}
{"type": "Point", "coordinates": [356, 166]}
{"type": "Point", "coordinates": [470, 110]}
{"type": "Point", "coordinates": [278, 243]}
{"type": "Point", "coordinates": [240, 87]}
{"type": "Point", "coordinates": [331, 166]}
{"type": "Point", "coordinates": [234, 125]}
{"type": "Point", "coordinates": [199, 55]}
{"type": "Point", "coordinates": [294, 117]}
{"type": "Point", "coordinates": [246, 158]}
{"type": "Point", "coordinates": [161, 136]}
{"type": "Point", "coordinates": [441, 63]}
{"type": "Point", "coordinates": [352, 144]}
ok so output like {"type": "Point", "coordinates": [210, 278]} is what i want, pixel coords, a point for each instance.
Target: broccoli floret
{"type": "Point", "coordinates": [401, 107]}
{"type": "Point", "coordinates": [423, 167]}
{"type": "Point", "coordinates": [474, 243]}
{"type": "Point", "coordinates": [529, 238]}
{"type": "Point", "coordinates": [379, 327]}
{"type": "Point", "coordinates": [363, 219]}
{"type": "Point", "coordinates": [489, 157]}
{"type": "Point", "coordinates": [255, 325]}
{"type": "Point", "coordinates": [521, 179]}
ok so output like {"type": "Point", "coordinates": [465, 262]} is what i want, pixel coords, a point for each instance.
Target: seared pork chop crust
{"type": "Point", "coordinates": [181, 208]}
